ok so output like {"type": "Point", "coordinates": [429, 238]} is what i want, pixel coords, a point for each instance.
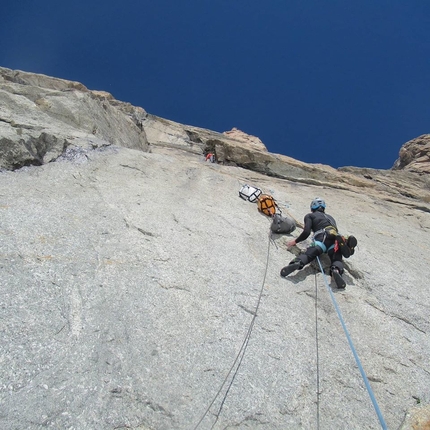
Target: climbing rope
{"type": "Point", "coordinates": [317, 352]}
{"type": "Point", "coordinates": [240, 355]}
{"type": "Point", "coordinates": [234, 369]}
{"type": "Point", "coordinates": [354, 352]}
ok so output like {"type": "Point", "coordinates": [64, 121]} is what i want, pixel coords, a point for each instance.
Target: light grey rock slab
{"type": "Point", "coordinates": [129, 281]}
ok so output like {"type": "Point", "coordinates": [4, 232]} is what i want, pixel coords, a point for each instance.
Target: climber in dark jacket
{"type": "Point", "coordinates": [325, 232]}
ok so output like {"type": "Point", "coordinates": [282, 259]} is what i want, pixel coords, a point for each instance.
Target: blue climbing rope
{"type": "Point", "coordinates": [354, 352]}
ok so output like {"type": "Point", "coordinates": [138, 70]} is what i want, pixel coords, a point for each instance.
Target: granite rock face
{"type": "Point", "coordinates": [250, 141]}
{"type": "Point", "coordinates": [235, 149]}
{"type": "Point", "coordinates": [40, 117]}
{"type": "Point", "coordinates": [414, 156]}
{"type": "Point", "coordinates": [131, 277]}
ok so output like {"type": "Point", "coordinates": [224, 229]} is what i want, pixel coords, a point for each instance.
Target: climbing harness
{"type": "Point", "coordinates": [329, 230]}
{"type": "Point", "coordinates": [326, 230]}
{"type": "Point", "coordinates": [322, 246]}
{"type": "Point", "coordinates": [240, 355]}
{"type": "Point", "coordinates": [354, 352]}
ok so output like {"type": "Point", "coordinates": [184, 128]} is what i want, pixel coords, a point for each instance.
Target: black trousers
{"type": "Point", "coordinates": [315, 251]}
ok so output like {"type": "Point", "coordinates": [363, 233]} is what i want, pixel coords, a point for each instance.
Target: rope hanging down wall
{"type": "Point", "coordinates": [234, 369]}
{"type": "Point", "coordinates": [317, 352]}
{"type": "Point", "coordinates": [354, 352]}
{"type": "Point", "coordinates": [239, 357]}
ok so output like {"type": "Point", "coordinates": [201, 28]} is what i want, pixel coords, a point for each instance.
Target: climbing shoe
{"type": "Point", "coordinates": [340, 282]}
{"type": "Point", "coordinates": [352, 243]}
{"type": "Point", "coordinates": [290, 268]}
{"type": "Point", "coordinates": [342, 246]}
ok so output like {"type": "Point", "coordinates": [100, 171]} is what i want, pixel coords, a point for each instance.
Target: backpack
{"type": "Point", "coordinates": [267, 205]}
{"type": "Point", "coordinates": [346, 245]}
{"type": "Point", "coordinates": [282, 224]}
{"type": "Point", "coordinates": [249, 193]}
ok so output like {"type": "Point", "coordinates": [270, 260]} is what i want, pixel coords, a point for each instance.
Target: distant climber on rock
{"type": "Point", "coordinates": [210, 157]}
{"type": "Point", "coordinates": [326, 239]}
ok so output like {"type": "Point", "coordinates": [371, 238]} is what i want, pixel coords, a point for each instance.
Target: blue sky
{"type": "Point", "coordinates": [338, 82]}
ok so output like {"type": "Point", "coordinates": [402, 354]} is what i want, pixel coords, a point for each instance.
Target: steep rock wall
{"type": "Point", "coordinates": [130, 279]}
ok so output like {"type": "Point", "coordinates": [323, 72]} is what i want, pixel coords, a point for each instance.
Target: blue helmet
{"type": "Point", "coordinates": [316, 203]}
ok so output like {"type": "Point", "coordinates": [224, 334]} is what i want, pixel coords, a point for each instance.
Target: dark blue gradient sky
{"type": "Point", "coordinates": [334, 82]}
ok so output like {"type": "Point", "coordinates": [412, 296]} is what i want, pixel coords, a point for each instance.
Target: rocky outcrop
{"type": "Point", "coordinates": [40, 117]}
{"type": "Point", "coordinates": [252, 142]}
{"type": "Point", "coordinates": [236, 149]}
{"type": "Point", "coordinates": [414, 156]}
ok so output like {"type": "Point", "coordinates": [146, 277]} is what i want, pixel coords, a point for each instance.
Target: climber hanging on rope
{"type": "Point", "coordinates": [326, 239]}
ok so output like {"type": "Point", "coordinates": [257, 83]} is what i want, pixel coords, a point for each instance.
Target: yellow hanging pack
{"type": "Point", "coordinates": [267, 205]}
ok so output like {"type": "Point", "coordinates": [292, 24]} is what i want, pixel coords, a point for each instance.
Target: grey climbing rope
{"type": "Point", "coordinates": [240, 355]}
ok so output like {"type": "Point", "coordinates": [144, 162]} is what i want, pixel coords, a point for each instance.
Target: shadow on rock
{"type": "Point", "coordinates": [300, 275]}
